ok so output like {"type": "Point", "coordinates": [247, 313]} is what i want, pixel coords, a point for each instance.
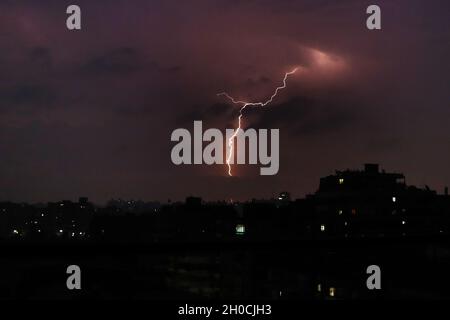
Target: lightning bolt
{"type": "Point", "coordinates": [245, 104]}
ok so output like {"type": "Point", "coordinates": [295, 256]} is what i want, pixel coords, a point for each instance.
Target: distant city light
{"type": "Point", "coordinates": [340, 211]}
{"type": "Point", "coordinates": [322, 227]}
{"type": "Point", "coordinates": [319, 287]}
{"type": "Point", "coordinates": [403, 222]}
{"type": "Point", "coordinates": [15, 231]}
{"type": "Point", "coordinates": [332, 292]}
{"type": "Point", "coordinates": [240, 229]}
{"type": "Point", "coordinates": [341, 181]}
{"type": "Point", "coordinates": [394, 199]}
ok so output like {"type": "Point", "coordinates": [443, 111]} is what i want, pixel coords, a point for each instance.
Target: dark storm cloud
{"type": "Point", "coordinates": [124, 61]}
{"type": "Point", "coordinates": [303, 116]}
{"type": "Point", "coordinates": [214, 113]}
{"type": "Point", "coordinates": [120, 61]}
{"type": "Point", "coordinates": [252, 83]}
{"type": "Point", "coordinates": [26, 95]}
{"type": "Point", "coordinates": [173, 69]}
{"type": "Point", "coordinates": [41, 56]}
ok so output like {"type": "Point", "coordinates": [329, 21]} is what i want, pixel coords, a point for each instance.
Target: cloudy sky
{"type": "Point", "coordinates": [90, 112]}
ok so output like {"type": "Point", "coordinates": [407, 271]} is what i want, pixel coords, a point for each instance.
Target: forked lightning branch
{"type": "Point", "coordinates": [235, 140]}
{"type": "Point", "coordinates": [189, 150]}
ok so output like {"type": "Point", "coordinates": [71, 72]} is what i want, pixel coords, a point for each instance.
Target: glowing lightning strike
{"type": "Point", "coordinates": [246, 104]}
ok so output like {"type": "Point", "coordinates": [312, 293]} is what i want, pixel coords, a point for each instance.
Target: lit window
{"type": "Point", "coordinates": [341, 181]}
{"type": "Point", "coordinates": [15, 231]}
{"type": "Point", "coordinates": [319, 287]}
{"type": "Point", "coordinates": [322, 227]}
{"type": "Point", "coordinates": [332, 292]}
{"type": "Point", "coordinates": [240, 229]}
{"type": "Point", "coordinates": [340, 211]}
{"type": "Point", "coordinates": [403, 222]}
{"type": "Point", "coordinates": [394, 199]}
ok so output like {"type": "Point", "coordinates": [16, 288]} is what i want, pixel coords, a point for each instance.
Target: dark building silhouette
{"type": "Point", "coordinates": [317, 247]}
{"type": "Point", "coordinates": [374, 203]}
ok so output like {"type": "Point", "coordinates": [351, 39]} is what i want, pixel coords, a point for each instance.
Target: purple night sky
{"type": "Point", "coordinates": [90, 112]}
